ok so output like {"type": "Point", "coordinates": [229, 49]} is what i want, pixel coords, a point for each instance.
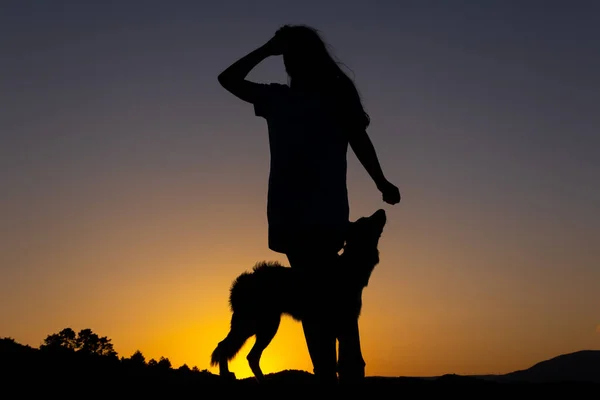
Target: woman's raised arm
{"type": "Point", "coordinates": [233, 79]}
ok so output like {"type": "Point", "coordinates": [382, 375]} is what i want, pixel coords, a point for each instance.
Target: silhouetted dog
{"type": "Point", "coordinates": [258, 298]}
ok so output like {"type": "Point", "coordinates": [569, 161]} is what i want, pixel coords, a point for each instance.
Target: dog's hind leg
{"type": "Point", "coordinates": [267, 328]}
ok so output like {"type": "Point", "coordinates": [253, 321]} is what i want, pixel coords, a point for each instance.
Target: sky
{"type": "Point", "coordinates": [134, 186]}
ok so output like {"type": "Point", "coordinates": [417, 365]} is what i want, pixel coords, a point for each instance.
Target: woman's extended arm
{"type": "Point", "coordinates": [365, 152]}
{"type": "Point", "coordinates": [233, 79]}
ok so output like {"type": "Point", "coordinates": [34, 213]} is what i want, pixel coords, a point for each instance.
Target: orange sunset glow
{"type": "Point", "coordinates": [134, 186]}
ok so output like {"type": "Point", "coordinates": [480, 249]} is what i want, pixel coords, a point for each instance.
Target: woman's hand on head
{"type": "Point", "coordinates": [274, 46]}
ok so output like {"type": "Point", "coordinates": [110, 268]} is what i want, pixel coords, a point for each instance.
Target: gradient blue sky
{"type": "Point", "coordinates": [134, 186]}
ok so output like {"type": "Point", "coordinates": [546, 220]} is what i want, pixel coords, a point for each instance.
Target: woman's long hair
{"type": "Point", "coordinates": [310, 65]}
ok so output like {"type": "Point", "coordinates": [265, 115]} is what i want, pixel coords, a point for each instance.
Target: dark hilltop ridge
{"type": "Point", "coordinates": [68, 360]}
{"type": "Point", "coordinates": [580, 366]}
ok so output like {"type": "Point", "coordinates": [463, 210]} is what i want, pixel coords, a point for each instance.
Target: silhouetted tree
{"type": "Point", "coordinates": [164, 363]}
{"type": "Point", "coordinates": [85, 341]}
{"type": "Point", "coordinates": [138, 358]}
{"type": "Point", "coordinates": [152, 363]}
{"type": "Point", "coordinates": [90, 343]}
{"type": "Point", "coordinates": [184, 368]}
{"type": "Point", "coordinates": [10, 345]}
{"type": "Point", "coordinates": [65, 339]}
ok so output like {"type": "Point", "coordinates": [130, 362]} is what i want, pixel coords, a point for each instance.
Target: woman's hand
{"type": "Point", "coordinates": [390, 193]}
{"type": "Point", "coordinates": [274, 47]}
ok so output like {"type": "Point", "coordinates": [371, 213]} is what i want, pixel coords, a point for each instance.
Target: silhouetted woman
{"type": "Point", "coordinates": [310, 123]}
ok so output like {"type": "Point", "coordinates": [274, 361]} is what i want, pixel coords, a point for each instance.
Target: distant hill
{"type": "Point", "coordinates": [581, 366]}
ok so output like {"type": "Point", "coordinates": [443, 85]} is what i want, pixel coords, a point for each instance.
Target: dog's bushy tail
{"type": "Point", "coordinates": [228, 348]}
{"type": "Point", "coordinates": [215, 358]}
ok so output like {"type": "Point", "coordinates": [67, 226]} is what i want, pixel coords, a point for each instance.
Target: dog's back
{"type": "Point", "coordinates": [269, 288]}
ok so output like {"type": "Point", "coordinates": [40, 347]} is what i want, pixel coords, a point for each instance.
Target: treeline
{"type": "Point", "coordinates": [75, 359]}
{"type": "Point", "coordinates": [69, 362]}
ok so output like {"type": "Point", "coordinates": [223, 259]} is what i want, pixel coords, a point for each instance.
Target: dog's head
{"type": "Point", "coordinates": [361, 254]}
{"type": "Point", "coordinates": [364, 233]}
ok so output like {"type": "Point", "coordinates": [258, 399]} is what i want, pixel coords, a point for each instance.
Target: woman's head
{"type": "Point", "coordinates": [310, 65]}
{"type": "Point", "coordinates": [304, 53]}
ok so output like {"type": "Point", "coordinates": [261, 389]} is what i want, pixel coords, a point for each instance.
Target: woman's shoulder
{"type": "Point", "coordinates": [274, 91]}
{"type": "Point", "coordinates": [269, 97]}
{"type": "Point", "coordinates": [280, 87]}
